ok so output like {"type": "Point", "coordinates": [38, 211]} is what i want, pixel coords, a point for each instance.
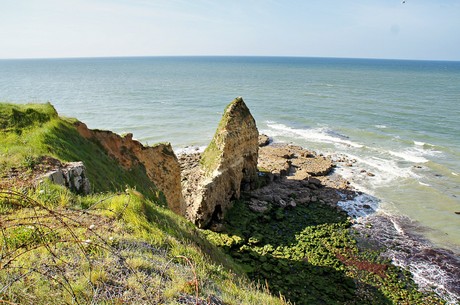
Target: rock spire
{"type": "Point", "coordinates": [227, 166]}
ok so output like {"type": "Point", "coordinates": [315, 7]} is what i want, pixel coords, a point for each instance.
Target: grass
{"type": "Point", "coordinates": [111, 249]}
{"type": "Point", "coordinates": [118, 245]}
{"type": "Point", "coordinates": [30, 131]}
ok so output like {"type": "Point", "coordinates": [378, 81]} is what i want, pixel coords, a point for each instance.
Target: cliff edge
{"type": "Point", "coordinates": [160, 162]}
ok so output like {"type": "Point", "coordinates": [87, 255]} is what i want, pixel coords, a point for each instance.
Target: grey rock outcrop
{"type": "Point", "coordinates": [72, 175]}
{"type": "Point", "coordinates": [226, 167]}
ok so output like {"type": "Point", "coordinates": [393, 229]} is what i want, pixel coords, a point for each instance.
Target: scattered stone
{"type": "Point", "coordinates": [301, 162]}
{"type": "Point", "coordinates": [282, 203]}
{"type": "Point", "coordinates": [370, 174]}
{"type": "Point", "coordinates": [264, 140]}
{"type": "Point", "coordinates": [315, 181]}
{"type": "Point", "coordinates": [258, 206]}
{"type": "Point", "coordinates": [303, 200]}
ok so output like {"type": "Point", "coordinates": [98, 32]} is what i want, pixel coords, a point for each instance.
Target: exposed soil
{"type": "Point", "coordinates": [26, 176]}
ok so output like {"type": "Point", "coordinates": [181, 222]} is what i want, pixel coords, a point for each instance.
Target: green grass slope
{"type": "Point", "coordinates": [112, 248]}
{"type": "Point", "coordinates": [30, 131]}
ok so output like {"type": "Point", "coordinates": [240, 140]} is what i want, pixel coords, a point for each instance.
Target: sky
{"type": "Point", "coordinates": [416, 29]}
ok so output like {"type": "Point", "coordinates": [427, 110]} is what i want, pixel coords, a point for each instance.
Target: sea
{"type": "Point", "coordinates": [395, 122]}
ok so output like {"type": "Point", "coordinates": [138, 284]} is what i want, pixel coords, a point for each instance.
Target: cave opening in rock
{"type": "Point", "coordinates": [217, 214]}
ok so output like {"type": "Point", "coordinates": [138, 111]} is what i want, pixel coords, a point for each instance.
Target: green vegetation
{"type": "Point", "coordinates": [110, 249]}
{"type": "Point", "coordinates": [210, 157]}
{"type": "Point", "coordinates": [308, 254]}
{"type": "Point", "coordinates": [31, 131]}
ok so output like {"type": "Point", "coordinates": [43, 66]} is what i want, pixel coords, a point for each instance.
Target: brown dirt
{"type": "Point", "coordinates": [23, 177]}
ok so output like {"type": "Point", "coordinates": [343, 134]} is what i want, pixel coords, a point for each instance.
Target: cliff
{"type": "Point", "coordinates": [111, 246]}
{"type": "Point", "coordinates": [159, 161]}
{"type": "Point", "coordinates": [227, 166]}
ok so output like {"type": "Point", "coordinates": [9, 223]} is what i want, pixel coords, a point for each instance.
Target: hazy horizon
{"type": "Point", "coordinates": [379, 29]}
{"type": "Point", "coordinates": [223, 56]}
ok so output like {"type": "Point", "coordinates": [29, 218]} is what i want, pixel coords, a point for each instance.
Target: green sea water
{"type": "Point", "coordinates": [398, 119]}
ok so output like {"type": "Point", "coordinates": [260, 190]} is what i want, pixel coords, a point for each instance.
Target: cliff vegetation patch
{"type": "Point", "coordinates": [308, 253]}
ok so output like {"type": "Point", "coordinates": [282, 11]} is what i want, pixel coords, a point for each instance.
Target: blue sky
{"type": "Point", "coordinates": [417, 29]}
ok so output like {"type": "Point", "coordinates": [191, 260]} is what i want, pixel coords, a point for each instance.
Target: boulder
{"type": "Point", "coordinates": [227, 166]}
{"type": "Point", "coordinates": [71, 175]}
{"type": "Point", "coordinates": [264, 140]}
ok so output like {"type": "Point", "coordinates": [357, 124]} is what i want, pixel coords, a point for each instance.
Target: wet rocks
{"type": "Point", "coordinates": [295, 176]}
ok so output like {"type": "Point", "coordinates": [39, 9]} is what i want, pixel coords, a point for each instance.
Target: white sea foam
{"type": "Point", "coordinates": [190, 150]}
{"type": "Point", "coordinates": [424, 184]}
{"type": "Point", "coordinates": [385, 170]}
{"type": "Point", "coordinates": [320, 135]}
{"type": "Point", "coordinates": [418, 143]}
{"type": "Point", "coordinates": [360, 206]}
{"type": "Point", "coordinates": [455, 174]}
{"type": "Point", "coordinates": [428, 276]}
{"type": "Point", "coordinates": [432, 269]}
{"type": "Point", "coordinates": [381, 126]}
{"type": "Point", "coordinates": [409, 155]}
{"type": "Point", "coordinates": [396, 225]}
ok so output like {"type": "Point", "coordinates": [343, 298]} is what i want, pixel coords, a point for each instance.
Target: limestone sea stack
{"type": "Point", "coordinates": [227, 166]}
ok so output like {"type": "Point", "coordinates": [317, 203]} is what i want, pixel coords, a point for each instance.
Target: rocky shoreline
{"type": "Point", "coordinates": [293, 176]}
{"type": "Point", "coordinates": [289, 175]}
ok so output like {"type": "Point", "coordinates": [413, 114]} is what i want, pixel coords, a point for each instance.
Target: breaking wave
{"type": "Point", "coordinates": [320, 135]}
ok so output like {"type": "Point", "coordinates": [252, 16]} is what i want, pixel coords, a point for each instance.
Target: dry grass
{"type": "Point", "coordinates": [119, 249]}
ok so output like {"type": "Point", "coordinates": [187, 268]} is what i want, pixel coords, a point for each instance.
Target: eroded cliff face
{"type": "Point", "coordinates": [160, 162]}
{"type": "Point", "coordinates": [227, 166]}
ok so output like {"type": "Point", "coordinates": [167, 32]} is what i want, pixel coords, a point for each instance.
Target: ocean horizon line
{"type": "Point", "coordinates": [228, 56]}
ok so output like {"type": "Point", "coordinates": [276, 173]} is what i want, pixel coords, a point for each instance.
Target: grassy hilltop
{"type": "Point", "coordinates": [32, 131]}
{"type": "Point", "coordinates": [120, 245]}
